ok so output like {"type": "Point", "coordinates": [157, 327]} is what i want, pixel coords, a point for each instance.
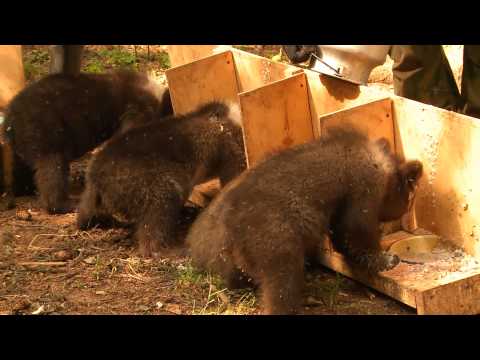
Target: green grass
{"type": "Point", "coordinates": [330, 289]}
{"type": "Point", "coordinates": [118, 57]}
{"type": "Point", "coordinates": [161, 58]}
{"type": "Point", "coordinates": [187, 276]}
{"type": "Point", "coordinates": [217, 299]}
{"type": "Point", "coordinates": [164, 60]}
{"type": "Point", "coordinates": [243, 47]}
{"type": "Point", "coordinates": [94, 66]}
{"type": "Point", "coordinates": [35, 63]}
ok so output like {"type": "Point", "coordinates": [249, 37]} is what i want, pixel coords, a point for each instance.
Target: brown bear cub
{"type": "Point", "coordinates": [61, 117]}
{"type": "Point", "coordinates": [264, 224]}
{"type": "Point", "coordinates": [144, 176]}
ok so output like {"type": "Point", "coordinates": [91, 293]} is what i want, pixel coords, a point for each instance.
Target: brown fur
{"type": "Point", "coordinates": [265, 223]}
{"type": "Point", "coordinates": [61, 117]}
{"type": "Point", "coordinates": [145, 175]}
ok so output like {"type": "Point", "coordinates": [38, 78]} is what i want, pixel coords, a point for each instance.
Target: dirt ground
{"type": "Point", "coordinates": [47, 266]}
{"type": "Point", "coordinates": [50, 267]}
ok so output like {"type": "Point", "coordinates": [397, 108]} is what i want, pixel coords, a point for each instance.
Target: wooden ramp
{"type": "Point", "coordinates": [283, 105]}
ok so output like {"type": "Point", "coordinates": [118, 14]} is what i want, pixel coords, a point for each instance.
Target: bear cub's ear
{"type": "Point", "coordinates": [411, 172]}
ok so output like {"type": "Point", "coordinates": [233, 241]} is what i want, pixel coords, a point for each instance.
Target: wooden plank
{"type": "Point", "coordinates": [12, 78]}
{"type": "Point", "coordinates": [461, 297]}
{"type": "Point", "coordinates": [254, 71]}
{"type": "Point", "coordinates": [211, 78]}
{"type": "Point", "coordinates": [448, 144]}
{"type": "Point", "coordinates": [380, 282]}
{"type": "Point", "coordinates": [327, 95]}
{"type": "Point", "coordinates": [419, 286]}
{"type": "Point", "coordinates": [185, 54]}
{"type": "Point", "coordinates": [275, 117]}
{"type": "Point", "coordinates": [373, 119]}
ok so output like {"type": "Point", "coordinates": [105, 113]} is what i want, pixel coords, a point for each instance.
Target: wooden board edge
{"type": "Point", "coordinates": [273, 83]}
{"type": "Point", "coordinates": [385, 285]}
{"type": "Point", "coordinates": [185, 51]}
{"type": "Point", "coordinates": [243, 97]}
{"type": "Point", "coordinates": [355, 107]}
{"type": "Point", "coordinates": [460, 297]}
{"type": "Point", "coordinates": [198, 61]}
{"type": "Point", "coordinates": [170, 73]}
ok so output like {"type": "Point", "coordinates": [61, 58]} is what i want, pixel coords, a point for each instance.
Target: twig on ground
{"type": "Point", "coordinates": [42, 263]}
{"type": "Point", "coordinates": [54, 235]}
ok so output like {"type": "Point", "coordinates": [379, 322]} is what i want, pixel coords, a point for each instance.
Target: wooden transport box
{"type": "Point", "coordinates": [283, 105]}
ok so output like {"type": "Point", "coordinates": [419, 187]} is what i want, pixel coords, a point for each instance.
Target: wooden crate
{"type": "Point", "coordinates": [201, 73]}
{"type": "Point", "coordinates": [447, 203]}
{"type": "Point", "coordinates": [283, 106]}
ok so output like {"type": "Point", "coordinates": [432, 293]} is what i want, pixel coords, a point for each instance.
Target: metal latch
{"type": "Point", "coordinates": [338, 70]}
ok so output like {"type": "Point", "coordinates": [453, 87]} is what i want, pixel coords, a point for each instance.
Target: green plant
{"type": "Point", "coordinates": [39, 56]}
{"type": "Point", "coordinates": [30, 70]}
{"type": "Point", "coordinates": [187, 275]}
{"type": "Point", "coordinates": [94, 66]}
{"type": "Point", "coordinates": [330, 289]}
{"type": "Point", "coordinates": [98, 270]}
{"type": "Point", "coordinates": [118, 57]}
{"type": "Point", "coordinates": [242, 47]}
{"type": "Point", "coordinates": [34, 63]}
{"type": "Point", "coordinates": [164, 60]}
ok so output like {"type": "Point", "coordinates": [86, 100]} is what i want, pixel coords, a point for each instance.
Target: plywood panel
{"type": "Point", "coordinates": [461, 297]}
{"type": "Point", "coordinates": [12, 78]}
{"type": "Point", "coordinates": [373, 119]}
{"type": "Point", "coordinates": [184, 54]}
{"type": "Point", "coordinates": [447, 202]}
{"type": "Point", "coordinates": [276, 117]}
{"type": "Point", "coordinates": [428, 290]}
{"type": "Point", "coordinates": [380, 282]}
{"type": "Point", "coordinates": [448, 144]}
{"type": "Point", "coordinates": [327, 95]}
{"type": "Point", "coordinates": [211, 78]}
{"type": "Point", "coordinates": [254, 71]}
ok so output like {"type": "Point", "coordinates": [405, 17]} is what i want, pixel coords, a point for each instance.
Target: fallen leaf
{"type": "Point", "coordinates": [90, 260]}
{"type": "Point", "coordinates": [370, 294]}
{"type": "Point", "coordinates": [311, 301]}
{"type": "Point", "coordinates": [173, 308]}
{"type": "Point", "coordinates": [40, 310]}
{"type": "Point", "coordinates": [25, 215]}
{"type": "Point", "coordinates": [22, 305]}
{"type": "Point", "coordinates": [225, 299]}
{"type": "Point", "coordinates": [63, 255]}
